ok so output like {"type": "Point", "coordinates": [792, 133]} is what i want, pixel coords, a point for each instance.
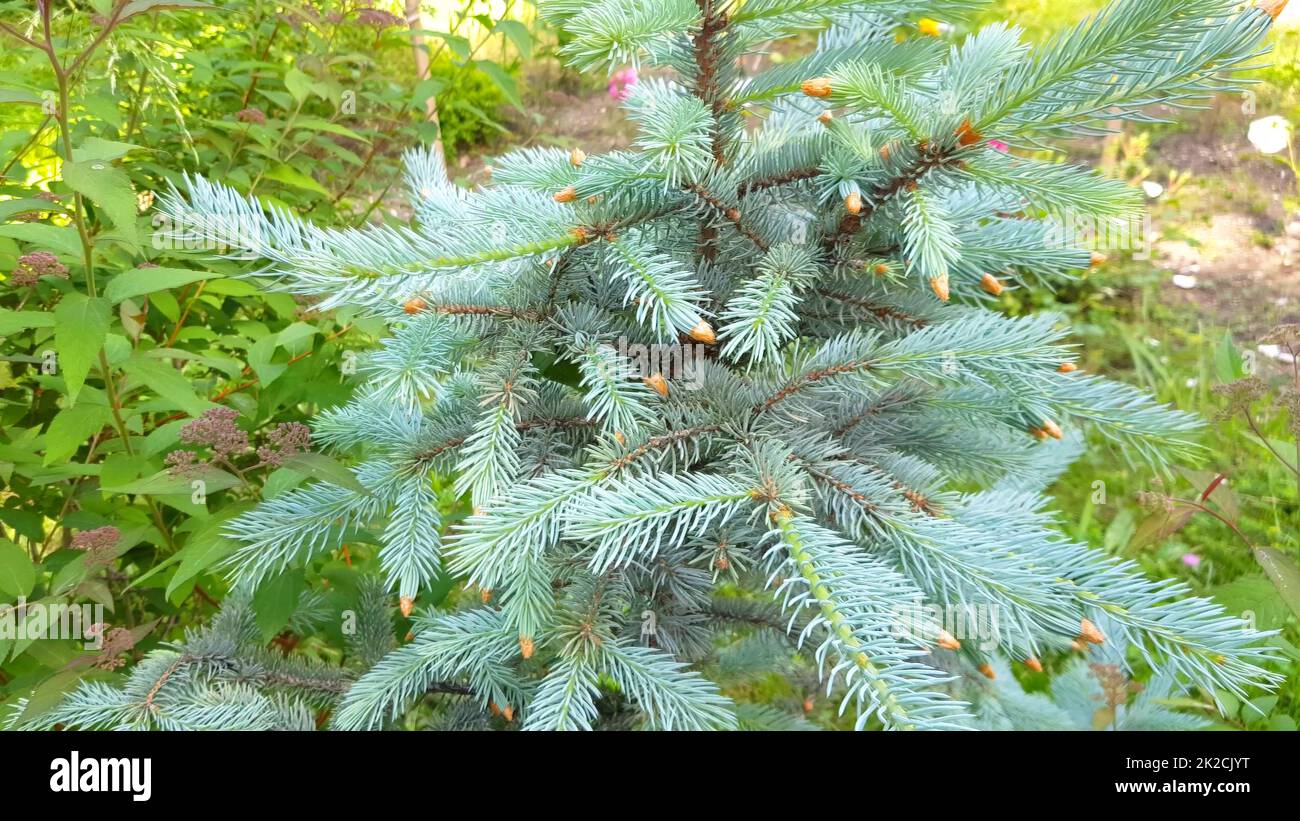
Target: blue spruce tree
{"type": "Point", "coordinates": [735, 381]}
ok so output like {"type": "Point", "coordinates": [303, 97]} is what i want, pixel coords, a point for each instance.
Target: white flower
{"type": "Point", "coordinates": [1270, 134]}
{"type": "Point", "coordinates": [1153, 189]}
{"type": "Point", "coordinates": [1185, 281]}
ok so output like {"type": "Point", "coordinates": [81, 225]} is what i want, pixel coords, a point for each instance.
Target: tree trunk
{"type": "Point", "coordinates": [415, 19]}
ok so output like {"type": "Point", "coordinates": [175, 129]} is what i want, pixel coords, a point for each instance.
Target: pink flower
{"type": "Point", "coordinates": [620, 84]}
{"type": "Point", "coordinates": [1191, 560]}
{"type": "Point", "coordinates": [998, 145]}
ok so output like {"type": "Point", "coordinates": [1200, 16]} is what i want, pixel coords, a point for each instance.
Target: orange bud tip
{"type": "Point", "coordinates": [1078, 646]}
{"type": "Point", "coordinates": [987, 671]}
{"type": "Point", "coordinates": [657, 383]}
{"type": "Point", "coordinates": [581, 234]}
{"type": "Point", "coordinates": [1090, 633]}
{"type": "Point", "coordinates": [1273, 8]}
{"type": "Point", "coordinates": [619, 437]}
{"type": "Point", "coordinates": [853, 203]}
{"type": "Point", "coordinates": [493, 708]}
{"type": "Point", "coordinates": [414, 305]}
{"type": "Point", "coordinates": [1067, 367]}
{"type": "Point", "coordinates": [884, 152]}
{"type": "Point", "coordinates": [967, 135]}
{"type": "Point", "coordinates": [881, 269]}
{"type": "Point", "coordinates": [508, 713]}
{"type": "Point", "coordinates": [947, 641]}
{"type": "Point", "coordinates": [410, 635]}
{"type": "Point", "coordinates": [1038, 433]}
{"type": "Point", "coordinates": [1096, 259]}
{"type": "Point", "coordinates": [703, 332]}
{"type": "Point", "coordinates": [991, 284]}
{"type": "Point", "coordinates": [1034, 664]}
{"type": "Point", "coordinates": [576, 156]}
{"type": "Point", "coordinates": [939, 285]}
{"type": "Point", "coordinates": [825, 118]}
{"type": "Point", "coordinates": [406, 604]}
{"type": "Point", "coordinates": [485, 594]}
{"type": "Point", "coordinates": [567, 195]}
{"type": "Point", "coordinates": [526, 647]}
{"type": "Point", "coordinates": [817, 87]}
{"type": "Point", "coordinates": [1052, 429]}
{"type": "Point", "coordinates": [807, 705]}
{"type": "Point", "coordinates": [722, 563]}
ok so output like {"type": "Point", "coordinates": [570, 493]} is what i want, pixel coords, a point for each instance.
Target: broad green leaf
{"type": "Point", "coordinates": [317, 124]}
{"type": "Point", "coordinates": [295, 178]}
{"type": "Point", "coordinates": [141, 6]}
{"type": "Point", "coordinates": [17, 573]}
{"type": "Point", "coordinates": [319, 466]}
{"type": "Point", "coordinates": [1284, 574]}
{"type": "Point", "coordinates": [275, 600]}
{"type": "Point", "coordinates": [61, 239]}
{"type": "Point", "coordinates": [518, 34]}
{"type": "Point", "coordinates": [167, 382]}
{"type": "Point", "coordinates": [96, 148]}
{"type": "Point", "coordinates": [19, 96]}
{"type": "Point", "coordinates": [205, 548]}
{"type": "Point", "coordinates": [299, 84]}
{"type": "Point", "coordinates": [71, 427]}
{"type": "Point", "coordinates": [80, 325]}
{"type": "Point", "coordinates": [51, 691]}
{"type": "Point", "coordinates": [164, 483]}
{"type": "Point", "coordinates": [502, 80]}
{"type": "Point", "coordinates": [108, 187]}
{"type": "Point", "coordinates": [140, 281]}
{"type": "Point", "coordinates": [13, 321]}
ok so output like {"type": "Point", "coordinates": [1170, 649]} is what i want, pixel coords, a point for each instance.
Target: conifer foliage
{"type": "Point", "coordinates": [830, 234]}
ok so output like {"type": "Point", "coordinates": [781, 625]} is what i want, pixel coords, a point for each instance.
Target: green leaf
{"type": "Point", "coordinates": [275, 601]}
{"type": "Point", "coordinates": [19, 96]}
{"type": "Point", "coordinates": [71, 427]}
{"type": "Point", "coordinates": [80, 326]}
{"type": "Point", "coordinates": [502, 80]}
{"type": "Point", "coordinates": [319, 466]}
{"type": "Point", "coordinates": [299, 84]}
{"type": "Point", "coordinates": [108, 187]}
{"type": "Point", "coordinates": [51, 691]}
{"type": "Point", "coordinates": [167, 382]}
{"type": "Point", "coordinates": [13, 321]}
{"type": "Point", "coordinates": [96, 148]}
{"type": "Point", "coordinates": [317, 124]}
{"type": "Point", "coordinates": [140, 281]}
{"type": "Point", "coordinates": [141, 6]}
{"type": "Point", "coordinates": [518, 34]}
{"type": "Point", "coordinates": [61, 239]}
{"type": "Point", "coordinates": [165, 484]}
{"type": "Point", "coordinates": [205, 548]}
{"type": "Point", "coordinates": [1284, 574]}
{"type": "Point", "coordinates": [295, 178]}
{"type": "Point", "coordinates": [17, 573]}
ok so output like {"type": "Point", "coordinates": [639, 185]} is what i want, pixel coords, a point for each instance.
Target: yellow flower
{"type": "Point", "coordinates": [928, 27]}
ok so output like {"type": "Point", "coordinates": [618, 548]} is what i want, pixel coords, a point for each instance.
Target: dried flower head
{"type": "Point", "coordinates": [216, 428]}
{"type": "Point", "coordinates": [1239, 395]}
{"type": "Point", "coordinates": [378, 19]}
{"type": "Point", "coordinates": [251, 115]}
{"type": "Point", "coordinates": [284, 440]}
{"type": "Point", "coordinates": [100, 545]}
{"type": "Point", "coordinates": [34, 265]}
